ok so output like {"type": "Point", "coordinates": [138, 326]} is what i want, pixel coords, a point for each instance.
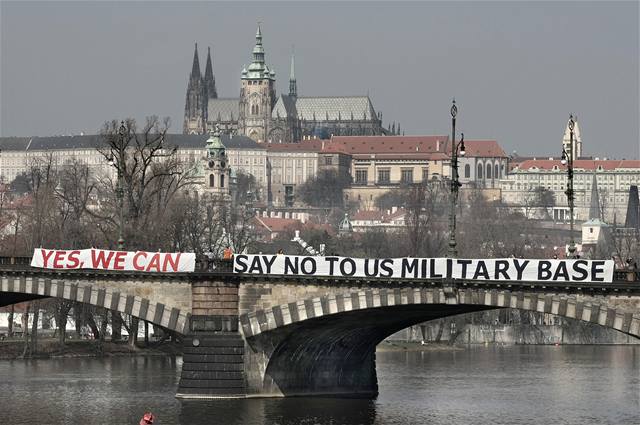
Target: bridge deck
{"type": "Point", "coordinates": [625, 282]}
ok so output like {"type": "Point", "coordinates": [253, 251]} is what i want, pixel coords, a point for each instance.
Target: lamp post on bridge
{"type": "Point", "coordinates": [119, 163]}
{"type": "Point", "coordinates": [455, 182]}
{"type": "Point", "coordinates": [567, 159]}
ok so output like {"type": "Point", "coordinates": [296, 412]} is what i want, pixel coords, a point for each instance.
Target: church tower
{"type": "Point", "coordinates": [195, 106]}
{"type": "Point", "coordinates": [216, 168]}
{"type": "Point", "coordinates": [257, 95]}
{"type": "Point", "coordinates": [210, 79]}
{"type": "Point", "coordinates": [577, 140]}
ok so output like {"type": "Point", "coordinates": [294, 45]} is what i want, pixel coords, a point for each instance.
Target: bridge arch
{"type": "Point", "coordinates": [17, 288]}
{"type": "Point", "coordinates": [327, 344]}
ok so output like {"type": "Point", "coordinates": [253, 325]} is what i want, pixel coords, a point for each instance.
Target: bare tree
{"type": "Point", "coordinates": [61, 308]}
{"type": "Point", "coordinates": [150, 175]}
{"type": "Point", "coordinates": [425, 209]}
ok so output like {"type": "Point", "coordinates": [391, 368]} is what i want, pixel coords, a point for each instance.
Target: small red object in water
{"type": "Point", "coordinates": [147, 419]}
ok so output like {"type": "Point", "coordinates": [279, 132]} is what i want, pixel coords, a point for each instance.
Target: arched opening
{"type": "Point", "coordinates": [488, 171]}
{"type": "Point", "coordinates": [212, 180]}
{"type": "Point", "coordinates": [479, 172]}
{"type": "Point", "coordinates": [331, 351]}
{"type": "Point", "coordinates": [222, 180]}
{"type": "Point", "coordinates": [467, 171]}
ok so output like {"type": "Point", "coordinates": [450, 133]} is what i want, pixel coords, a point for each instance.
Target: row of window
{"type": "Point", "coordinates": [384, 175]}
{"type": "Point", "coordinates": [491, 172]}
{"type": "Point", "coordinates": [212, 180]}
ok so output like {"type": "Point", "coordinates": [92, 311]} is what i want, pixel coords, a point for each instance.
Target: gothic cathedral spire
{"type": "Point", "coordinates": [293, 88]}
{"type": "Point", "coordinates": [195, 104]}
{"type": "Point", "coordinates": [210, 79]}
{"type": "Point", "coordinates": [195, 69]}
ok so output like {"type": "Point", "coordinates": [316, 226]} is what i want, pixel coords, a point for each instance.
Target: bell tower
{"type": "Point", "coordinates": [257, 95]}
{"type": "Point", "coordinates": [216, 169]}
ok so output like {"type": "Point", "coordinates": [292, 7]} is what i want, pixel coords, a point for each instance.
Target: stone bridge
{"type": "Point", "coordinates": [259, 335]}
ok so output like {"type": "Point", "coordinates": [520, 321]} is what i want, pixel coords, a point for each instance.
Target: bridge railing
{"type": "Point", "coordinates": [220, 266]}
{"type": "Point", "coordinates": [626, 275]}
{"type": "Point", "coordinates": [18, 262]}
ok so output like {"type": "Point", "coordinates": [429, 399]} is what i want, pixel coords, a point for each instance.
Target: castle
{"type": "Point", "coordinates": [266, 117]}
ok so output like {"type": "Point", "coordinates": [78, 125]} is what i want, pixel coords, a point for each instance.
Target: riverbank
{"type": "Point", "coordinates": [390, 346]}
{"type": "Point", "coordinates": [50, 348]}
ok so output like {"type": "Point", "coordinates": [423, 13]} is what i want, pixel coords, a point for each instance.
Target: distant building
{"type": "Point", "coordinates": [383, 163]}
{"type": "Point", "coordinates": [577, 140]}
{"type": "Point", "coordinates": [367, 220]}
{"type": "Point", "coordinates": [18, 154]}
{"type": "Point", "coordinates": [262, 115]}
{"type": "Point", "coordinates": [613, 177]}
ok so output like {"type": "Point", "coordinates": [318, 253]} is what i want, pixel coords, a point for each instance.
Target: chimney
{"type": "Point", "coordinates": [438, 145]}
{"type": "Point", "coordinates": [393, 210]}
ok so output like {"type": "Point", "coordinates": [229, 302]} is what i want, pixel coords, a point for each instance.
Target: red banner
{"type": "Point", "coordinates": [101, 259]}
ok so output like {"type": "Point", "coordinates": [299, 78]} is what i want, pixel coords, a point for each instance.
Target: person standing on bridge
{"type": "Point", "coordinates": [209, 254]}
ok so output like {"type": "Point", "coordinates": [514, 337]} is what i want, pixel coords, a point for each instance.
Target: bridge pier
{"type": "Point", "coordinates": [213, 350]}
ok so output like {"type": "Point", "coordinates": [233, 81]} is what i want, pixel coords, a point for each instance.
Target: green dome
{"type": "Point", "coordinates": [214, 143]}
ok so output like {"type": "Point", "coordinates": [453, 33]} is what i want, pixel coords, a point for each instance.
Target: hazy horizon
{"type": "Point", "coordinates": [516, 69]}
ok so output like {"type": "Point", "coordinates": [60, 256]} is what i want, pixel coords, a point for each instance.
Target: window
{"type": "Point", "coordinates": [467, 171]}
{"type": "Point", "coordinates": [496, 172]}
{"type": "Point", "coordinates": [488, 171]}
{"type": "Point", "coordinates": [361, 176]}
{"type": "Point", "coordinates": [211, 180]}
{"type": "Point", "coordinates": [479, 176]}
{"type": "Point", "coordinates": [383, 176]}
{"type": "Point", "coordinates": [222, 180]}
{"type": "Point", "coordinates": [425, 174]}
{"type": "Point", "coordinates": [288, 196]}
{"type": "Point", "coordinates": [328, 160]}
{"type": "Point", "coordinates": [406, 176]}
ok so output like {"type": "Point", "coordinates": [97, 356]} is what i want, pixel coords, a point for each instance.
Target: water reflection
{"type": "Point", "coordinates": [502, 385]}
{"type": "Point", "coordinates": [291, 411]}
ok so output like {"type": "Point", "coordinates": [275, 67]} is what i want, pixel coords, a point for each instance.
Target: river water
{"type": "Point", "coordinates": [480, 385]}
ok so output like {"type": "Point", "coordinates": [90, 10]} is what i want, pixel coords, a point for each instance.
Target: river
{"type": "Point", "coordinates": [480, 385]}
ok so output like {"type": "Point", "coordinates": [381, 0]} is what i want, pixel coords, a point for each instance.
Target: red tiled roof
{"type": "Point", "coordinates": [391, 147]}
{"type": "Point", "coordinates": [391, 144]}
{"type": "Point", "coordinates": [584, 164]}
{"type": "Point", "coordinates": [483, 148]}
{"type": "Point", "coordinates": [276, 224]}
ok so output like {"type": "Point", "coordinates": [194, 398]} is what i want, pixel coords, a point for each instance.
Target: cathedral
{"type": "Point", "coordinates": [266, 117]}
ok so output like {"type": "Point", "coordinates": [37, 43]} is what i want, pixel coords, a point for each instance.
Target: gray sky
{"type": "Point", "coordinates": [516, 69]}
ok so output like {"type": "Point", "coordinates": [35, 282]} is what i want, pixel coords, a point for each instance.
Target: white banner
{"type": "Point", "coordinates": [101, 259]}
{"type": "Point", "coordinates": [500, 269]}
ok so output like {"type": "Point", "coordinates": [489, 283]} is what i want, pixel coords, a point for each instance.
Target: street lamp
{"type": "Point", "coordinates": [567, 159]}
{"type": "Point", "coordinates": [455, 183]}
{"type": "Point", "coordinates": [122, 132]}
